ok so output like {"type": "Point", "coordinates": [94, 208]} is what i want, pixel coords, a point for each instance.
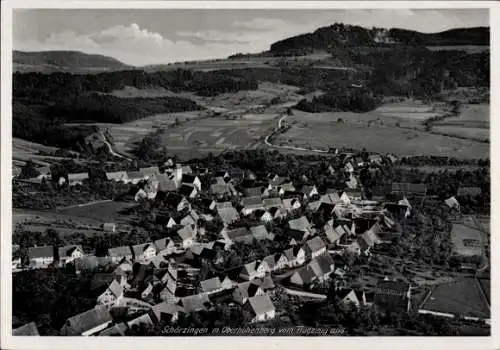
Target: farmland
{"type": "Point", "coordinates": [466, 48]}
{"type": "Point", "coordinates": [309, 130]}
{"type": "Point", "coordinates": [473, 122]}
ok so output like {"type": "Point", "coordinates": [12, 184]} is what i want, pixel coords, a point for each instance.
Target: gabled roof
{"type": "Point", "coordinates": [240, 234]}
{"type": "Point", "coordinates": [330, 198]}
{"type": "Point", "coordinates": [278, 181]}
{"type": "Point", "coordinates": [115, 288]}
{"type": "Point", "coordinates": [306, 274]}
{"type": "Point", "coordinates": [120, 251]}
{"type": "Point", "coordinates": [28, 329]}
{"type": "Point", "coordinates": [259, 232]}
{"type": "Point", "coordinates": [148, 171]}
{"type": "Point", "coordinates": [116, 175]}
{"type": "Point", "coordinates": [41, 252]}
{"type": "Point", "coordinates": [135, 175]}
{"type": "Point", "coordinates": [306, 189]}
{"type": "Point", "coordinates": [211, 285]}
{"type": "Point", "coordinates": [221, 205]}
{"type": "Point", "coordinates": [186, 190]}
{"type": "Point", "coordinates": [139, 249]}
{"type": "Point", "coordinates": [247, 289]}
{"type": "Point", "coordinates": [221, 189]}
{"type": "Point", "coordinates": [314, 206]}
{"type": "Point", "coordinates": [194, 303]}
{"type": "Point", "coordinates": [66, 251]}
{"type": "Point", "coordinates": [288, 203]}
{"type": "Point", "coordinates": [287, 186]}
{"type": "Point", "coordinates": [322, 264]}
{"type": "Point", "coordinates": [300, 224]}
{"type": "Point", "coordinates": [315, 244]}
{"type": "Point", "coordinates": [186, 233]}
{"type": "Point", "coordinates": [164, 308]}
{"type": "Point", "coordinates": [87, 320]}
{"type": "Point", "coordinates": [78, 176]}
{"type": "Point", "coordinates": [260, 304]}
{"type": "Point", "coordinates": [272, 202]}
{"type": "Point", "coordinates": [291, 253]}
{"type": "Point", "coordinates": [333, 233]}
{"type": "Point", "coordinates": [173, 199]}
{"type": "Point", "coordinates": [452, 202]}
{"type": "Point", "coordinates": [252, 202]}
{"type": "Point", "coordinates": [228, 215]}
{"type": "Point", "coordinates": [166, 182]}
{"type": "Point", "coordinates": [187, 178]}
{"type": "Point", "coordinates": [253, 191]}
{"type": "Point", "coordinates": [186, 169]}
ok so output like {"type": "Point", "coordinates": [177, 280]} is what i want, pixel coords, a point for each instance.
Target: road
{"type": "Point", "coordinates": [266, 140]}
{"type": "Point", "coordinates": [85, 204]}
{"type": "Point", "coordinates": [105, 140]}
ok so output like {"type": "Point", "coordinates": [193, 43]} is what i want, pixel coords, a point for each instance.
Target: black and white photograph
{"type": "Point", "coordinates": [252, 172]}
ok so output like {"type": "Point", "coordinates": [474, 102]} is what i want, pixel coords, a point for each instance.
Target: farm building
{"type": "Point", "coordinates": [109, 227]}
{"type": "Point", "coordinates": [87, 323]}
{"type": "Point", "coordinates": [77, 179]}
{"type": "Point", "coordinates": [393, 296]}
{"type": "Point", "coordinates": [261, 307]}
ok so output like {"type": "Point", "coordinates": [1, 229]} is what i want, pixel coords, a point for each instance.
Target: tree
{"type": "Point", "coordinates": [29, 171]}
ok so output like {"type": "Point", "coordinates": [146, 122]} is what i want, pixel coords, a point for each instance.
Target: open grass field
{"type": "Point", "coordinates": [473, 122]}
{"type": "Point", "coordinates": [460, 297]}
{"type": "Point", "coordinates": [467, 237]}
{"type": "Point", "coordinates": [106, 211]}
{"type": "Point", "coordinates": [310, 131]}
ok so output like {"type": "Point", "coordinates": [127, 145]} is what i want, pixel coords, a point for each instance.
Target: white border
{"type": "Point", "coordinates": [9, 342]}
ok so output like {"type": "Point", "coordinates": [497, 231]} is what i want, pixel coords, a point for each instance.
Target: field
{"type": "Point", "coordinates": [467, 48]}
{"type": "Point", "coordinates": [462, 297]}
{"type": "Point", "coordinates": [473, 122]}
{"type": "Point", "coordinates": [323, 131]}
{"type": "Point", "coordinates": [467, 238]}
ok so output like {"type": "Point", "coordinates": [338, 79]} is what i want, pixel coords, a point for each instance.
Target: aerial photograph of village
{"type": "Point", "coordinates": [262, 172]}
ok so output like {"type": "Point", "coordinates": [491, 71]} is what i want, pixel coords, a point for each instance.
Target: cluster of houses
{"type": "Point", "coordinates": [159, 281]}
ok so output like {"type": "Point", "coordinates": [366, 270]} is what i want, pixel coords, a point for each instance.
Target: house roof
{"type": "Point", "coordinates": [78, 176]}
{"type": "Point", "coordinates": [220, 189]}
{"type": "Point", "coordinates": [228, 215]}
{"type": "Point", "coordinates": [289, 202]}
{"type": "Point", "coordinates": [300, 224]}
{"type": "Point", "coordinates": [221, 205]}
{"type": "Point", "coordinates": [261, 304]}
{"type": "Point", "coordinates": [188, 178]}
{"type": "Point", "coordinates": [135, 175]}
{"type": "Point", "coordinates": [330, 198]}
{"type": "Point", "coordinates": [120, 251]}
{"type": "Point", "coordinates": [210, 285]}
{"type": "Point", "coordinates": [259, 232]}
{"type": "Point", "coordinates": [248, 288]}
{"type": "Point", "coordinates": [306, 274]}
{"type": "Point", "coordinates": [148, 171]}
{"type": "Point", "coordinates": [194, 303]}
{"type": "Point", "coordinates": [41, 252]}
{"type": "Point", "coordinates": [306, 189]}
{"type": "Point", "coordinates": [116, 175]}
{"type": "Point", "coordinates": [291, 253]}
{"type": "Point", "coordinates": [26, 330]}
{"type": "Point", "coordinates": [287, 186]}
{"type": "Point", "coordinates": [139, 249]}
{"type": "Point", "coordinates": [252, 202]}
{"type": "Point", "coordinates": [115, 288]}
{"type": "Point", "coordinates": [322, 264]}
{"type": "Point", "coordinates": [165, 308]}
{"type": "Point", "coordinates": [253, 191]}
{"type": "Point", "coordinates": [186, 169]}
{"type": "Point", "coordinates": [186, 190]}
{"type": "Point", "coordinates": [173, 199]}
{"type": "Point", "coordinates": [161, 244]}
{"type": "Point", "coordinates": [265, 283]}
{"type": "Point", "coordinates": [315, 244]}
{"type": "Point", "coordinates": [66, 251]}
{"type": "Point", "coordinates": [333, 233]}
{"type": "Point", "coordinates": [452, 202]}
{"type": "Point", "coordinates": [166, 182]}
{"type": "Point", "coordinates": [277, 181]}
{"type": "Point", "coordinates": [272, 202]}
{"type": "Point", "coordinates": [87, 320]}
{"type": "Point", "coordinates": [314, 206]}
{"type": "Point", "coordinates": [186, 233]}
{"type": "Point", "coordinates": [240, 234]}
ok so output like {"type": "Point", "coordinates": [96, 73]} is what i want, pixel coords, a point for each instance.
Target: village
{"type": "Point", "coordinates": [240, 240]}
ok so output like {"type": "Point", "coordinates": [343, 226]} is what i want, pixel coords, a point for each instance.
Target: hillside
{"type": "Point", "coordinates": [64, 61]}
{"type": "Point", "coordinates": [340, 35]}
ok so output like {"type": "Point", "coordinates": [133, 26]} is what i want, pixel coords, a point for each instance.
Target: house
{"type": "Point", "coordinates": [16, 258]}
{"type": "Point", "coordinates": [195, 303]}
{"type": "Point", "coordinates": [295, 255]}
{"type": "Point", "coordinates": [404, 202]}
{"type": "Point", "coordinates": [285, 187]}
{"type": "Point", "coordinates": [260, 233]}
{"type": "Point", "coordinates": [143, 252]}
{"type": "Point", "coordinates": [191, 180]}
{"type": "Point", "coordinates": [211, 286]}
{"type": "Point", "coordinates": [149, 172]}
{"type": "Point", "coordinates": [393, 296]}
{"type": "Point", "coordinates": [208, 203]}
{"type": "Point", "coordinates": [117, 176]}
{"type": "Point", "coordinates": [351, 297]}
{"type": "Point", "coordinates": [260, 191]}
{"type": "Point", "coordinates": [228, 214]}
{"type": "Point", "coordinates": [303, 277]}
{"type": "Point", "coordinates": [333, 234]}
{"type": "Point", "coordinates": [134, 177]}
{"type": "Point", "coordinates": [77, 179]}
{"type": "Point", "coordinates": [87, 323]}
{"type": "Point", "coordinates": [469, 191]}
{"type": "Point", "coordinates": [109, 227]}
{"type": "Point", "coordinates": [41, 257]}
{"type": "Point", "coordinates": [272, 203]}
{"type": "Point", "coordinates": [291, 204]}
{"type": "Point", "coordinates": [68, 254]}
{"type": "Point", "coordinates": [254, 269]}
{"type": "Point", "coordinates": [246, 290]}
{"type": "Point", "coordinates": [223, 174]}
{"type": "Point", "coordinates": [276, 261]}
{"type": "Point", "coordinates": [185, 236]}
{"type": "Point", "coordinates": [90, 262]}
{"type": "Point", "coordinates": [261, 307]}
{"type": "Point", "coordinates": [276, 213]}
{"type": "Point", "coordinates": [350, 195]}
{"type": "Point", "coordinates": [186, 169]}
{"type": "Point", "coordinates": [238, 235]}
{"type": "Point", "coordinates": [166, 220]}
{"type": "Point", "coordinates": [117, 330]}
{"type": "Point", "coordinates": [188, 191]}
{"type": "Point", "coordinates": [166, 312]}
{"type": "Point", "coordinates": [275, 181]}
{"type": "Point", "coordinates": [314, 247]}
{"type": "Point", "coordinates": [300, 228]}
{"type": "Point", "coordinates": [167, 182]}
{"type": "Point", "coordinates": [222, 190]}
{"type": "Point", "coordinates": [177, 201]}
{"type": "Point", "coordinates": [264, 215]}
{"type": "Point", "coordinates": [251, 204]}
{"type": "Point", "coordinates": [119, 253]}
{"type": "Point", "coordinates": [330, 198]}
{"type": "Point", "coordinates": [375, 159]}
{"type": "Point", "coordinates": [348, 167]}
{"type": "Point", "coordinates": [323, 266]}
{"type": "Point", "coordinates": [190, 219]}
{"type": "Point", "coordinates": [309, 191]}
{"type": "Point", "coordinates": [352, 182]}
{"type": "Point", "coordinates": [112, 295]}
{"type": "Point", "coordinates": [29, 329]}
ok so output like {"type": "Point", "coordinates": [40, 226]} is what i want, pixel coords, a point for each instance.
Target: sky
{"type": "Point", "coordinates": [157, 36]}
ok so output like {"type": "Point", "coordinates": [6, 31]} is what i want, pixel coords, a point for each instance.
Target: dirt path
{"type": "Point", "coordinates": [105, 140]}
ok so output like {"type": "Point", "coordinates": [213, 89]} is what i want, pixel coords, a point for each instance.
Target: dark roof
{"type": "Point", "coordinates": [41, 252]}
{"type": "Point", "coordinates": [173, 199]}
{"type": "Point", "coordinates": [85, 321]}
{"type": "Point", "coordinates": [26, 330]}
{"type": "Point", "coordinates": [186, 190]}
{"type": "Point", "coordinates": [252, 201]}
{"type": "Point", "coordinates": [68, 250]}
{"type": "Point", "coordinates": [187, 178]}
{"type": "Point", "coordinates": [253, 191]}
